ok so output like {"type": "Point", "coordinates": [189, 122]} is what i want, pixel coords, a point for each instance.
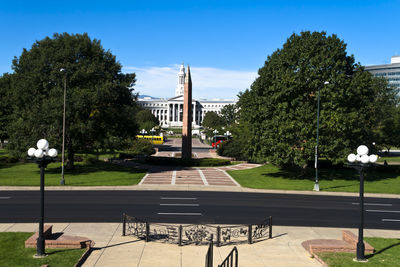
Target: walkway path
{"type": "Point", "coordinates": [112, 249]}
{"type": "Point", "coordinates": [193, 176]}
{"type": "Point", "coordinates": [174, 175]}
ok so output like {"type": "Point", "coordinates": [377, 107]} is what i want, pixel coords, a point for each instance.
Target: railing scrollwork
{"type": "Point", "coordinates": [196, 233]}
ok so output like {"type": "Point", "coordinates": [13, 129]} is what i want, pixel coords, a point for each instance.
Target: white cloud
{"type": "Point", "coordinates": [208, 83]}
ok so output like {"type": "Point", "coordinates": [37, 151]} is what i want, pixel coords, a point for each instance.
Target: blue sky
{"type": "Point", "coordinates": [225, 42]}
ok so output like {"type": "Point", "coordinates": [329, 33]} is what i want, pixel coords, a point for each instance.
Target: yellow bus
{"type": "Point", "coordinates": [155, 139]}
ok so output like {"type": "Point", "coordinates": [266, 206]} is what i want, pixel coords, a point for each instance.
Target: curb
{"type": "Point", "coordinates": [315, 256]}
{"type": "Point", "coordinates": [194, 188]}
{"type": "Point", "coordinates": [85, 256]}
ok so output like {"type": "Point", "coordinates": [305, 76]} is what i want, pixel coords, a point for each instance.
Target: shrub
{"type": "Point", "coordinates": [9, 158]}
{"type": "Point", "coordinates": [89, 159]}
{"type": "Point", "coordinates": [234, 149]}
{"type": "Point", "coordinates": [139, 147]}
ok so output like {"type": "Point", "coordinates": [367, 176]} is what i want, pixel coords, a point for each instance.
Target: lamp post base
{"type": "Point", "coordinates": [316, 187]}
{"type": "Point", "coordinates": [36, 256]}
{"type": "Point", "coordinates": [360, 260]}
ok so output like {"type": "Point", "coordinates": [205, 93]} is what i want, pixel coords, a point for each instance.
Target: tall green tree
{"type": "Point", "coordinates": [388, 129]}
{"type": "Point", "coordinates": [212, 120]}
{"type": "Point", "coordinates": [229, 114]}
{"type": "Point", "coordinates": [281, 106]}
{"type": "Point", "coordinates": [100, 107]}
{"type": "Point", "coordinates": [146, 120]}
{"type": "Point", "coordinates": [6, 107]}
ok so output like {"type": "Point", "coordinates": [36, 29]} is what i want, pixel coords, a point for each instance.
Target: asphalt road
{"type": "Point", "coordinates": [199, 207]}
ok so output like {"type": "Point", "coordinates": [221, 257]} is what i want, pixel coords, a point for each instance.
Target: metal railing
{"type": "Point", "coordinates": [232, 260]}
{"type": "Point", "coordinates": [209, 255]}
{"type": "Point", "coordinates": [196, 233]}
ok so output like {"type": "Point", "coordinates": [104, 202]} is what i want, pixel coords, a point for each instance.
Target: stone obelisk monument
{"type": "Point", "coordinates": [187, 117]}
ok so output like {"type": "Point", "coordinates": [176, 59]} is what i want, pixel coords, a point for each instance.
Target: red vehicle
{"type": "Point", "coordinates": [218, 140]}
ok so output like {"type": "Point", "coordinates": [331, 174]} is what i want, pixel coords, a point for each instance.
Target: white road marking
{"type": "Point", "coordinates": [373, 204]}
{"type": "Point", "coordinates": [177, 213]}
{"type": "Point", "coordinates": [144, 178]}
{"type": "Point", "coordinates": [231, 168]}
{"type": "Point", "coordinates": [5, 197]}
{"type": "Point", "coordinates": [390, 220]}
{"type": "Point", "coordinates": [185, 205]}
{"type": "Point", "coordinates": [183, 198]}
{"type": "Point", "coordinates": [230, 177]}
{"type": "Point", "coordinates": [394, 211]}
{"type": "Point", "coordinates": [173, 177]}
{"type": "Point", "coordinates": [202, 176]}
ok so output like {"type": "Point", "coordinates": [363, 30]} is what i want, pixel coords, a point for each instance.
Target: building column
{"type": "Point", "coordinates": [180, 109]}
{"type": "Point", "coordinates": [173, 112]}
{"type": "Point", "coordinates": [168, 110]}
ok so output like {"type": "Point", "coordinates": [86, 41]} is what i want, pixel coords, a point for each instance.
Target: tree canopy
{"type": "Point", "coordinates": [388, 129]}
{"type": "Point", "coordinates": [5, 106]}
{"type": "Point", "coordinates": [229, 114]}
{"type": "Point", "coordinates": [146, 120]}
{"type": "Point", "coordinates": [100, 106]}
{"type": "Point", "coordinates": [212, 120]}
{"type": "Point", "coordinates": [281, 105]}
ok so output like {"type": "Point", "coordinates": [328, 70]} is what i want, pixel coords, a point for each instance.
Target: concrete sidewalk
{"type": "Point", "coordinates": [113, 249]}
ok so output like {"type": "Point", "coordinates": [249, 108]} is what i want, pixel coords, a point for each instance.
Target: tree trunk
{"type": "Point", "coordinates": [70, 158]}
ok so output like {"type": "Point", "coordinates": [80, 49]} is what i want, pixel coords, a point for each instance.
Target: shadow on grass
{"type": "Point", "coordinates": [94, 167]}
{"type": "Point", "coordinates": [335, 173]}
{"type": "Point", "coordinates": [309, 174]}
{"type": "Point", "coordinates": [60, 251]}
{"type": "Point", "coordinates": [382, 250]}
{"type": "Point", "coordinates": [4, 165]}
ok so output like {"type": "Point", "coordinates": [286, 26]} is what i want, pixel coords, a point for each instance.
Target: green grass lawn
{"type": "Point", "coordinates": [13, 253]}
{"type": "Point", "coordinates": [387, 253]}
{"type": "Point", "coordinates": [95, 174]}
{"type": "Point", "coordinates": [389, 159]}
{"type": "Point", "coordinates": [339, 180]}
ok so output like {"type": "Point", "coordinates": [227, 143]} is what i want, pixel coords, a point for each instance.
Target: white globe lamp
{"type": "Point", "coordinates": [351, 157]}
{"type": "Point", "coordinates": [373, 158]}
{"type": "Point", "coordinates": [42, 144]}
{"type": "Point", "coordinates": [364, 159]}
{"type": "Point", "coordinates": [362, 150]}
{"type": "Point", "coordinates": [52, 153]}
{"type": "Point", "coordinates": [31, 152]}
{"type": "Point", "coordinates": [39, 153]}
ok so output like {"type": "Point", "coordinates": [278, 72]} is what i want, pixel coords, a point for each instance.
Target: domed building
{"type": "Point", "coordinates": [169, 111]}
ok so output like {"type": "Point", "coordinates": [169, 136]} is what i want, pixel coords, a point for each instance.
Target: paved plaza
{"type": "Point", "coordinates": [214, 176]}
{"type": "Point", "coordinates": [113, 249]}
{"type": "Point", "coordinates": [169, 175]}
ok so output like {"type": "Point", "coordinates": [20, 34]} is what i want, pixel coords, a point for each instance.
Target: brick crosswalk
{"type": "Point", "coordinates": [216, 176]}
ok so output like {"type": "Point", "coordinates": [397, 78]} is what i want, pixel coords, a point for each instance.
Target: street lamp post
{"type": "Point", "coordinates": [316, 185]}
{"type": "Point", "coordinates": [62, 182]}
{"type": "Point", "coordinates": [43, 156]}
{"type": "Point", "coordinates": [152, 130]}
{"type": "Point", "coordinates": [361, 162]}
